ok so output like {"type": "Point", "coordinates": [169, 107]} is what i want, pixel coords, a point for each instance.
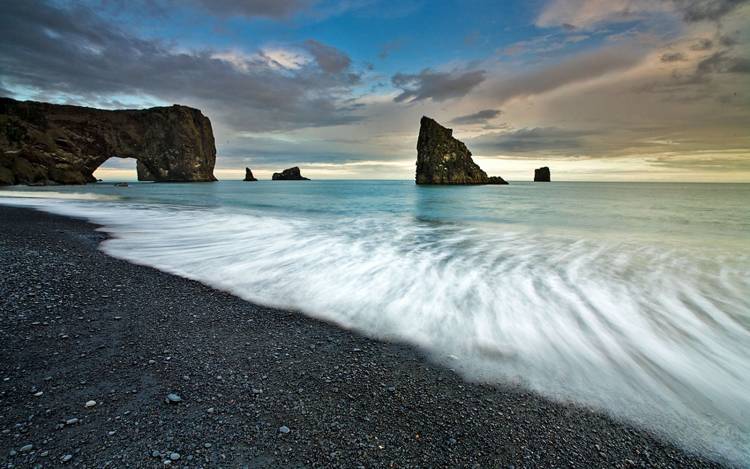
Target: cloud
{"type": "Point", "coordinates": [329, 59]}
{"type": "Point", "coordinates": [479, 117]}
{"type": "Point", "coordinates": [572, 14]}
{"type": "Point", "coordinates": [437, 86]}
{"type": "Point", "coordinates": [589, 13]}
{"type": "Point", "coordinates": [702, 10]}
{"type": "Point", "coordinates": [253, 8]}
{"type": "Point", "coordinates": [529, 140]}
{"type": "Point", "coordinates": [673, 57]}
{"type": "Point", "coordinates": [75, 55]}
{"type": "Point", "coordinates": [702, 44]}
{"type": "Point", "coordinates": [722, 62]}
{"type": "Point", "coordinates": [390, 47]}
{"type": "Point", "coordinates": [582, 67]}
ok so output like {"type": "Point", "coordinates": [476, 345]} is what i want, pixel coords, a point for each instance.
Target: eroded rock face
{"type": "Point", "coordinates": [541, 174]}
{"type": "Point", "coordinates": [42, 143]}
{"type": "Point", "coordinates": [291, 174]}
{"type": "Point", "coordinates": [249, 175]}
{"type": "Point", "coordinates": [442, 159]}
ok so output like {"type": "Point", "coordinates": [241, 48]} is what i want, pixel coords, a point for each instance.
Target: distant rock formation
{"type": "Point", "coordinates": [541, 174]}
{"type": "Point", "coordinates": [442, 159]}
{"type": "Point", "coordinates": [43, 143]}
{"type": "Point", "coordinates": [249, 175]}
{"type": "Point", "coordinates": [291, 174]}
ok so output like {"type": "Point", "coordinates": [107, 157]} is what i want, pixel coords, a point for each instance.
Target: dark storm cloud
{"type": "Point", "coordinates": [75, 54]}
{"type": "Point", "coordinates": [673, 57]}
{"type": "Point", "coordinates": [479, 117]}
{"type": "Point", "coordinates": [438, 86]}
{"type": "Point", "coordinates": [549, 139]}
{"type": "Point", "coordinates": [706, 10]}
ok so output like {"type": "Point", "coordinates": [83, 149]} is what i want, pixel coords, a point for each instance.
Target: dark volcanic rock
{"type": "Point", "coordinates": [541, 174]}
{"type": "Point", "coordinates": [42, 143]}
{"type": "Point", "coordinates": [249, 175]}
{"type": "Point", "coordinates": [442, 159]}
{"type": "Point", "coordinates": [291, 174]}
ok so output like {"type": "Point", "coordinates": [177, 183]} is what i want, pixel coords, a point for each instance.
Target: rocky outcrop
{"type": "Point", "coordinates": [291, 174]}
{"type": "Point", "coordinates": [442, 159]}
{"type": "Point", "coordinates": [42, 143]}
{"type": "Point", "coordinates": [249, 175]}
{"type": "Point", "coordinates": [541, 174]}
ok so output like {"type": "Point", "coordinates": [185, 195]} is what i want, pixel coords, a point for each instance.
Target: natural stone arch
{"type": "Point", "coordinates": [46, 143]}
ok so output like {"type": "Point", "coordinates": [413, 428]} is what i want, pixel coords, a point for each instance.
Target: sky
{"type": "Point", "coordinates": [603, 90]}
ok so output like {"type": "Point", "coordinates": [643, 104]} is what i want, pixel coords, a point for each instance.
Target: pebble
{"type": "Point", "coordinates": [284, 429]}
{"type": "Point", "coordinates": [173, 398]}
{"type": "Point", "coordinates": [174, 456]}
{"type": "Point", "coordinates": [207, 445]}
{"type": "Point", "coordinates": [90, 404]}
{"type": "Point", "coordinates": [67, 458]}
{"type": "Point", "coordinates": [155, 454]}
{"type": "Point", "coordinates": [210, 410]}
{"type": "Point", "coordinates": [72, 421]}
{"type": "Point", "coordinates": [26, 448]}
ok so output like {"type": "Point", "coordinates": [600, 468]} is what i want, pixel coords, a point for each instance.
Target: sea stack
{"type": "Point", "coordinates": [541, 174]}
{"type": "Point", "coordinates": [291, 174]}
{"type": "Point", "coordinates": [442, 159]}
{"type": "Point", "coordinates": [249, 175]}
{"type": "Point", "coordinates": [43, 143]}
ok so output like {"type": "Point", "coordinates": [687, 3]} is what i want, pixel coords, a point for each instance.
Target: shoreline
{"type": "Point", "coordinates": [78, 325]}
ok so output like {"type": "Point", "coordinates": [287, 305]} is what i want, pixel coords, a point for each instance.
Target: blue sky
{"type": "Point", "coordinates": [616, 90]}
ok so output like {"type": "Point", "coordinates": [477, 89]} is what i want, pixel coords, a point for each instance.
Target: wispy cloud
{"type": "Point", "coordinates": [479, 117]}
{"type": "Point", "coordinates": [437, 86]}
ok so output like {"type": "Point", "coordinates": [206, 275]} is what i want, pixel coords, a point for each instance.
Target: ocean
{"type": "Point", "coordinates": [629, 298]}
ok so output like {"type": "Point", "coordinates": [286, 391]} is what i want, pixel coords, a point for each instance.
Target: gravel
{"type": "Point", "coordinates": [260, 369]}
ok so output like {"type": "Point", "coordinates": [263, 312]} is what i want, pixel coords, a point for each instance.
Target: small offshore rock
{"type": "Point", "coordinates": [173, 398]}
{"type": "Point", "coordinates": [249, 175]}
{"type": "Point", "coordinates": [289, 174]}
{"type": "Point", "coordinates": [542, 174]}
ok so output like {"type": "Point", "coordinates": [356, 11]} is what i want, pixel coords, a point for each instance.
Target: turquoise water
{"type": "Point", "coordinates": [630, 298]}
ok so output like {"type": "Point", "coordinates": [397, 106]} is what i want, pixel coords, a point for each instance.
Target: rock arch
{"type": "Point", "coordinates": [44, 143]}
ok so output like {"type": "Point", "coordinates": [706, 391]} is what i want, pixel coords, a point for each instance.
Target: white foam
{"type": "Point", "coordinates": [52, 195]}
